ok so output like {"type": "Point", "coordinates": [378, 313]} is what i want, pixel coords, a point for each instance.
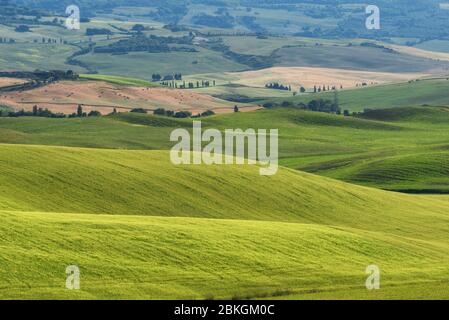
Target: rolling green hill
{"type": "Point", "coordinates": [431, 92]}
{"type": "Point", "coordinates": [138, 227]}
{"type": "Point", "coordinates": [335, 146]}
{"type": "Point", "coordinates": [85, 181]}
{"type": "Point", "coordinates": [101, 193]}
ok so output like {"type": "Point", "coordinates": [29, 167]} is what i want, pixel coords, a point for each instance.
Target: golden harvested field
{"type": "Point", "coordinates": [65, 96]}
{"type": "Point", "coordinates": [4, 82]}
{"type": "Point", "coordinates": [309, 77]}
{"type": "Point", "coordinates": [421, 53]}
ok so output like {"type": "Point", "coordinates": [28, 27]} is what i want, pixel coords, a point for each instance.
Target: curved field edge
{"type": "Point", "coordinates": [129, 257]}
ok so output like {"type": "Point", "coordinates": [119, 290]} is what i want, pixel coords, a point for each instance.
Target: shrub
{"type": "Point", "coordinates": [207, 113]}
{"type": "Point", "coordinates": [139, 110]}
{"type": "Point", "coordinates": [183, 114]}
{"type": "Point", "coordinates": [94, 113]}
{"type": "Point", "coordinates": [160, 112]}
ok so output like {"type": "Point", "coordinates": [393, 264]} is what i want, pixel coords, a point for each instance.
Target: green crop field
{"type": "Point", "coordinates": [29, 57]}
{"type": "Point", "coordinates": [367, 186]}
{"type": "Point", "coordinates": [246, 237]}
{"type": "Point", "coordinates": [402, 149]}
{"type": "Point", "coordinates": [416, 93]}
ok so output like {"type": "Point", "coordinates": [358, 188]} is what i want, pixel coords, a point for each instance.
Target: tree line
{"type": "Point", "coordinates": [317, 105]}
{"type": "Point", "coordinates": [189, 85]}
{"type": "Point", "coordinates": [157, 77]}
{"type": "Point", "coordinates": [278, 86]}
{"type": "Point", "coordinates": [325, 88]}
{"type": "Point", "coordinates": [45, 113]}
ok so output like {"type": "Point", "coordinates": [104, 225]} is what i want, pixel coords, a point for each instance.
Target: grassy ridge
{"type": "Point", "coordinates": [73, 180]}
{"type": "Point", "coordinates": [329, 145]}
{"type": "Point", "coordinates": [431, 92]}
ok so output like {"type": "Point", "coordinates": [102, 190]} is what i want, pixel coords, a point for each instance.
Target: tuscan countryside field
{"type": "Point", "coordinates": [351, 102]}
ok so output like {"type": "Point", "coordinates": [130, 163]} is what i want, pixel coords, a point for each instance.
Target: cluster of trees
{"type": "Point", "coordinates": [22, 28]}
{"type": "Point", "coordinates": [50, 41]}
{"type": "Point", "coordinates": [170, 113]}
{"type": "Point", "coordinates": [13, 14]}
{"type": "Point", "coordinates": [365, 84]}
{"type": "Point", "coordinates": [321, 105]}
{"type": "Point", "coordinates": [318, 105]}
{"type": "Point", "coordinates": [175, 27]}
{"type": "Point", "coordinates": [36, 78]}
{"type": "Point", "coordinates": [45, 113]}
{"type": "Point", "coordinates": [183, 114]}
{"type": "Point", "coordinates": [325, 88]}
{"type": "Point", "coordinates": [39, 75]}
{"type": "Point", "coordinates": [98, 31]}
{"type": "Point", "coordinates": [223, 21]}
{"type": "Point", "coordinates": [252, 61]}
{"type": "Point", "coordinates": [168, 11]}
{"type": "Point", "coordinates": [81, 114]}
{"type": "Point", "coordinates": [157, 77]}
{"type": "Point", "coordinates": [37, 112]}
{"type": "Point", "coordinates": [138, 28]}
{"type": "Point", "coordinates": [6, 40]}
{"type": "Point", "coordinates": [141, 43]}
{"type": "Point", "coordinates": [278, 86]}
{"type": "Point", "coordinates": [204, 114]}
{"type": "Point", "coordinates": [189, 85]}
{"type": "Point", "coordinates": [251, 24]}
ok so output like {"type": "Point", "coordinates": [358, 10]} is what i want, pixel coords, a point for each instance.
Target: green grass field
{"type": "Point", "coordinates": [402, 149]}
{"type": "Point", "coordinates": [101, 192]}
{"type": "Point", "coordinates": [30, 56]}
{"type": "Point", "coordinates": [140, 228]}
{"type": "Point", "coordinates": [416, 93]}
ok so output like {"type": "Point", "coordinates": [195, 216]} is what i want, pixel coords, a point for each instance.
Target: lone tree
{"type": "Point", "coordinates": [138, 28]}
{"type": "Point", "coordinates": [156, 77]}
{"type": "Point", "coordinates": [94, 113]}
{"type": "Point", "coordinates": [79, 111]}
{"type": "Point", "coordinates": [236, 109]}
{"type": "Point", "coordinates": [139, 110]}
{"type": "Point", "coordinates": [22, 28]}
